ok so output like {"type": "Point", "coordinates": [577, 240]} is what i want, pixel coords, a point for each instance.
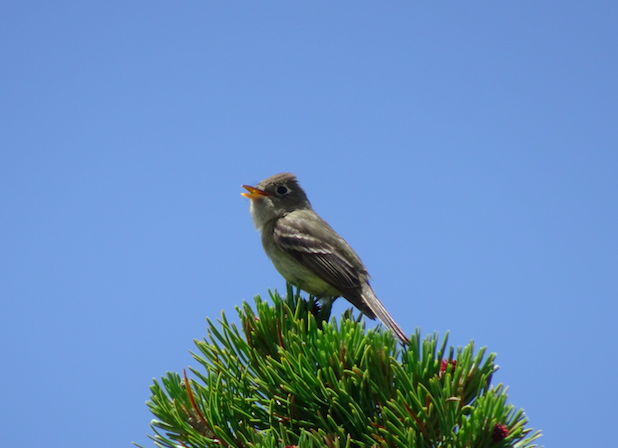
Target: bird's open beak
{"type": "Point", "coordinates": [254, 193]}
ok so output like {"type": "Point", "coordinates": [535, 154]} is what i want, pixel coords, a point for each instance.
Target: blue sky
{"type": "Point", "coordinates": [468, 151]}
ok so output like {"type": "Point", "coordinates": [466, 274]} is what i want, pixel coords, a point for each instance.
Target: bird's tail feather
{"type": "Point", "coordinates": [376, 307]}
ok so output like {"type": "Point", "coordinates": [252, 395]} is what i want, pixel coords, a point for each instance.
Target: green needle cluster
{"type": "Point", "coordinates": [295, 378]}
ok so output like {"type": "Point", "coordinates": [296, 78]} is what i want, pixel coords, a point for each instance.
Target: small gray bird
{"type": "Point", "coordinates": [307, 251]}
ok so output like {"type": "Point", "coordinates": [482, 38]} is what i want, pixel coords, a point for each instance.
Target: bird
{"type": "Point", "coordinates": [306, 250]}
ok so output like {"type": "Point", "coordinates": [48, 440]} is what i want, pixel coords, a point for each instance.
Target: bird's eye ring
{"type": "Point", "coordinates": [282, 189]}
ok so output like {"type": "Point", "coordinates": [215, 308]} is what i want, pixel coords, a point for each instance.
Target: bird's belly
{"type": "Point", "coordinates": [298, 275]}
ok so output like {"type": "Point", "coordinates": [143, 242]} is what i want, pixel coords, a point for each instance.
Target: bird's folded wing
{"type": "Point", "coordinates": [315, 254]}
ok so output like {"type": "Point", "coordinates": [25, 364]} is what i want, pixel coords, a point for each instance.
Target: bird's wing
{"type": "Point", "coordinates": [307, 240]}
{"type": "Point", "coordinates": [298, 238]}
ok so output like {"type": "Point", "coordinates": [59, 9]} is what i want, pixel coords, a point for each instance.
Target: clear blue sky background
{"type": "Point", "coordinates": [467, 150]}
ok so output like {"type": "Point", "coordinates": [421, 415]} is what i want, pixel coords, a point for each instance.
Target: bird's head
{"type": "Point", "coordinates": [275, 197]}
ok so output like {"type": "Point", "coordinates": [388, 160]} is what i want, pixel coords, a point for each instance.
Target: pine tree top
{"type": "Point", "coordinates": [295, 378]}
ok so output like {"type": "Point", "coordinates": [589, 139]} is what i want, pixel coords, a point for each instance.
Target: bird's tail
{"type": "Point", "coordinates": [376, 307]}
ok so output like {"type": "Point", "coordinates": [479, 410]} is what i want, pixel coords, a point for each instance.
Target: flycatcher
{"type": "Point", "coordinates": [307, 252]}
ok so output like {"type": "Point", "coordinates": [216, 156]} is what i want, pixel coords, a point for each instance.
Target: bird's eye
{"type": "Point", "coordinates": [282, 190]}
